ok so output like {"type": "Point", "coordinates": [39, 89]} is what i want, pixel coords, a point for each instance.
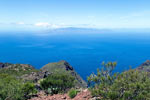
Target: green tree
{"type": "Point", "coordinates": [129, 85]}
{"type": "Point", "coordinates": [104, 75]}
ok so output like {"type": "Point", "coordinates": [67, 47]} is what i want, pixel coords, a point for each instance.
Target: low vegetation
{"type": "Point", "coordinates": [72, 93]}
{"type": "Point", "coordinates": [17, 70]}
{"type": "Point", "coordinates": [12, 88]}
{"type": "Point", "coordinates": [129, 85]}
{"type": "Point", "coordinates": [133, 84]}
{"type": "Point", "coordinates": [57, 83]}
{"type": "Point", "coordinates": [29, 89]}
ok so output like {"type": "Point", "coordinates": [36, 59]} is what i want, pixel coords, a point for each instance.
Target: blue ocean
{"type": "Point", "coordinates": [84, 52]}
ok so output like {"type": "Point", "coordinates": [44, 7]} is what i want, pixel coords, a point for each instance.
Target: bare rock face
{"type": "Point", "coordinates": [145, 66]}
{"type": "Point", "coordinates": [13, 66]}
{"type": "Point", "coordinates": [35, 76]}
{"type": "Point", "coordinates": [66, 67]}
{"type": "Point", "coordinates": [2, 65]}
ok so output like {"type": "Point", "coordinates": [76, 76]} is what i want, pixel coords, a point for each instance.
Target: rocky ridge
{"type": "Point", "coordinates": [145, 66]}
{"type": "Point", "coordinates": [64, 66]}
{"type": "Point", "coordinates": [29, 73]}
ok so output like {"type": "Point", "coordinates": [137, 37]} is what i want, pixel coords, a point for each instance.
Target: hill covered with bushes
{"type": "Point", "coordinates": [59, 80]}
{"type": "Point", "coordinates": [25, 81]}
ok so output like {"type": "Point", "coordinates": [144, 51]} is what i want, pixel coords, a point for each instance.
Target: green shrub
{"type": "Point", "coordinates": [29, 89]}
{"type": "Point", "coordinates": [72, 93]}
{"type": "Point", "coordinates": [10, 88]}
{"type": "Point", "coordinates": [104, 75]}
{"type": "Point", "coordinates": [129, 85]}
{"type": "Point", "coordinates": [101, 81]}
{"type": "Point", "coordinates": [132, 85]}
{"type": "Point", "coordinates": [57, 82]}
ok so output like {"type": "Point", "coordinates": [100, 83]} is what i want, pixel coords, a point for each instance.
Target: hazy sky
{"type": "Point", "coordinates": [43, 14]}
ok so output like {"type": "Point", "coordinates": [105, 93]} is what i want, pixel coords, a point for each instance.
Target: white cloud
{"type": "Point", "coordinates": [43, 24]}
{"type": "Point", "coordinates": [48, 25]}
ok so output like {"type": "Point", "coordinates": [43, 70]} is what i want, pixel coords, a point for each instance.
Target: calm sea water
{"type": "Point", "coordinates": [84, 52]}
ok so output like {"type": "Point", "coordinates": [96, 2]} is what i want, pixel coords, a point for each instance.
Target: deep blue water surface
{"type": "Point", "coordinates": [84, 52]}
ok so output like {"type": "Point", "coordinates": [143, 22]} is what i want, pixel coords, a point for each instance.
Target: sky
{"type": "Point", "coordinates": [51, 14]}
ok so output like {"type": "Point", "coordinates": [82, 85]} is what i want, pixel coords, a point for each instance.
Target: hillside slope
{"type": "Point", "coordinates": [63, 66]}
{"type": "Point", "coordinates": [29, 73]}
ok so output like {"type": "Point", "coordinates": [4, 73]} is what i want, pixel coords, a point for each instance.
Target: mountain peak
{"type": "Point", "coordinates": [65, 67]}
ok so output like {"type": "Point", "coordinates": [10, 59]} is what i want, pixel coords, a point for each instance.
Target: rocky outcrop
{"type": "Point", "coordinates": [66, 67]}
{"type": "Point", "coordinates": [35, 76]}
{"type": "Point", "coordinates": [145, 66]}
{"type": "Point", "coordinates": [9, 65]}
{"type": "Point", "coordinates": [29, 73]}
{"type": "Point", "coordinates": [21, 71]}
{"type": "Point", "coordinates": [57, 65]}
{"type": "Point", "coordinates": [4, 65]}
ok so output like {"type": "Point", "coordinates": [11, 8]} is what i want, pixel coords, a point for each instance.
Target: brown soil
{"type": "Point", "coordinates": [83, 95]}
